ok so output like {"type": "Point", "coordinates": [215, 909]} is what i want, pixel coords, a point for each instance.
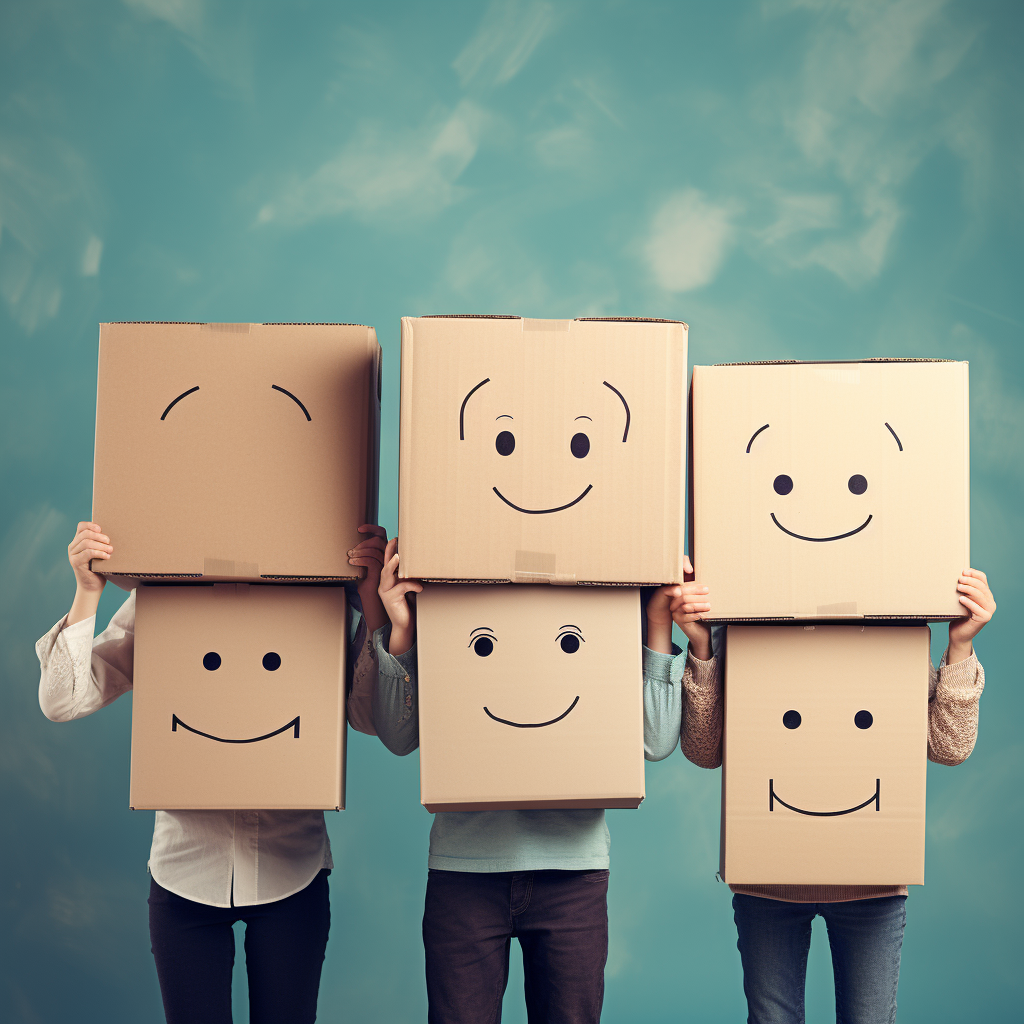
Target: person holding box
{"type": "Point", "coordinates": [865, 923]}
{"type": "Point", "coordinates": [537, 875]}
{"type": "Point", "coordinates": [212, 868]}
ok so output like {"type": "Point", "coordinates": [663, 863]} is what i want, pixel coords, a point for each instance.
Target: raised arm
{"type": "Point", "coordinates": [79, 674]}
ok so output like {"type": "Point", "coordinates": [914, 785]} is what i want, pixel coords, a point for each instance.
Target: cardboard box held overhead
{"type": "Point", "coordinates": [552, 449]}
{"type": "Point", "coordinates": [831, 490]}
{"type": "Point", "coordinates": [236, 451]}
{"type": "Point", "coordinates": [529, 697]}
{"type": "Point", "coordinates": [825, 756]}
{"type": "Point", "coordinates": [239, 699]}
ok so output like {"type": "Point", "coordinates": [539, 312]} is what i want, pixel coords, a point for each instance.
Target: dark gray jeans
{"type": "Point", "coordinates": [561, 921]}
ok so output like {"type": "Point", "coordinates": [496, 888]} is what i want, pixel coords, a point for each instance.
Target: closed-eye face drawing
{"type": "Point", "coordinates": [577, 447]}
{"type": "Point", "coordinates": [785, 487]}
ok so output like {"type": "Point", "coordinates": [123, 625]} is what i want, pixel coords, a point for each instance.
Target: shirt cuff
{"type": "Point", "coordinates": [657, 665]}
{"type": "Point", "coordinates": [964, 675]}
{"type": "Point", "coordinates": [80, 630]}
{"type": "Point", "coordinates": [704, 673]}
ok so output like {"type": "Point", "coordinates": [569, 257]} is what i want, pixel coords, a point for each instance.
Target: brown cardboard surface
{"type": "Point", "coordinates": [821, 551]}
{"type": "Point", "coordinates": [607, 507]}
{"type": "Point", "coordinates": [236, 451]}
{"type": "Point", "coordinates": [482, 742]}
{"type": "Point", "coordinates": [860, 791]}
{"type": "Point", "coordinates": [242, 735]}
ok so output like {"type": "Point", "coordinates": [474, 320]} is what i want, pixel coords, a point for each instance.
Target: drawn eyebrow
{"type": "Point", "coordinates": [891, 431]}
{"type": "Point", "coordinates": [583, 418]}
{"type": "Point", "coordinates": [462, 411]}
{"type": "Point", "coordinates": [189, 392]}
{"type": "Point", "coordinates": [486, 629]}
{"type": "Point", "coordinates": [625, 404]}
{"type": "Point", "coordinates": [754, 434]}
{"type": "Point", "coordinates": [503, 416]}
{"type": "Point", "coordinates": [571, 626]}
{"type": "Point", "coordinates": [294, 399]}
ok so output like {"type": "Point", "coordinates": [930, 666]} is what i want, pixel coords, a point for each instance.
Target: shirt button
{"type": "Point", "coordinates": [407, 679]}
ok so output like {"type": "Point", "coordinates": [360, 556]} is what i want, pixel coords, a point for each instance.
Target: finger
{"type": "Point", "coordinates": [691, 609]}
{"type": "Point", "coordinates": [982, 595]}
{"type": "Point", "coordinates": [88, 540]}
{"type": "Point", "coordinates": [978, 614]}
{"type": "Point", "coordinates": [387, 575]}
{"type": "Point", "coordinates": [391, 549]}
{"type": "Point", "coordinates": [377, 531]}
{"type": "Point", "coordinates": [694, 588]}
{"type": "Point", "coordinates": [88, 526]}
{"type": "Point", "coordinates": [369, 563]}
{"type": "Point", "coordinates": [405, 587]}
{"type": "Point", "coordinates": [685, 620]}
{"type": "Point", "coordinates": [373, 544]}
{"type": "Point", "coordinates": [687, 564]}
{"type": "Point", "coordinates": [976, 572]}
{"type": "Point", "coordinates": [91, 535]}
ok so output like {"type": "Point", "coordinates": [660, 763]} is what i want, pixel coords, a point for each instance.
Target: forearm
{"type": "Point", "coordinates": [703, 711]}
{"type": "Point", "coordinates": [953, 711]}
{"type": "Point", "coordinates": [663, 704]}
{"type": "Point", "coordinates": [85, 604]}
{"type": "Point", "coordinates": [395, 711]}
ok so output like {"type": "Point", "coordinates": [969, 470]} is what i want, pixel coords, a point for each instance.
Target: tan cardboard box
{"type": "Point", "coordinates": [236, 451]}
{"type": "Point", "coordinates": [529, 697]}
{"type": "Point", "coordinates": [831, 490]}
{"type": "Point", "coordinates": [239, 699]}
{"type": "Point", "coordinates": [826, 746]}
{"type": "Point", "coordinates": [553, 449]}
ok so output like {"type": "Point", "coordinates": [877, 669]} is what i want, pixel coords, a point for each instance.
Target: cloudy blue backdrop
{"type": "Point", "coordinates": [815, 179]}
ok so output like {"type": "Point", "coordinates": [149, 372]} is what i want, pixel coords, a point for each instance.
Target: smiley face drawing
{"type": "Point", "coordinates": [536, 440]}
{"type": "Point", "coordinates": [208, 432]}
{"type": "Point", "coordinates": [807, 488]}
{"type": "Point", "coordinates": [825, 754]}
{"type": "Point", "coordinates": [239, 697]}
{"type": "Point", "coordinates": [527, 697]}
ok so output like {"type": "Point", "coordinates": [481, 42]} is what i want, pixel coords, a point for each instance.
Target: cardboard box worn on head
{"type": "Point", "coordinates": [239, 699]}
{"type": "Point", "coordinates": [553, 449]}
{"type": "Point", "coordinates": [831, 490]}
{"type": "Point", "coordinates": [238, 452]}
{"type": "Point", "coordinates": [529, 697]}
{"type": "Point", "coordinates": [825, 755]}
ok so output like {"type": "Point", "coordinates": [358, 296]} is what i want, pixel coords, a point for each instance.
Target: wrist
{"type": "Point", "coordinates": [401, 640]}
{"type": "Point", "coordinates": [958, 650]}
{"type": "Point", "coordinates": [659, 635]}
{"type": "Point", "coordinates": [85, 604]}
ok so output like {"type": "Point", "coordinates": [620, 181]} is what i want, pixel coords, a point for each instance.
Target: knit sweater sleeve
{"type": "Point", "coordinates": [954, 693]}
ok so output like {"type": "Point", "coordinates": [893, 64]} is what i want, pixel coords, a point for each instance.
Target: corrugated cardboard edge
{"type": "Point", "coordinates": [613, 803]}
{"type": "Point", "coordinates": [831, 362]}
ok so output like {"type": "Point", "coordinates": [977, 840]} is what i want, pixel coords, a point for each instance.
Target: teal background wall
{"type": "Point", "coordinates": [805, 179]}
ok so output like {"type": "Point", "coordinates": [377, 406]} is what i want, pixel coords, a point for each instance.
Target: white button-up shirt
{"type": "Point", "coordinates": [221, 858]}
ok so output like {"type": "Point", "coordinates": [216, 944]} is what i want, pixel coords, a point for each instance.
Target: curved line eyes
{"type": "Point", "coordinates": [863, 719]}
{"type": "Point", "coordinates": [212, 661]}
{"type": "Point", "coordinates": [791, 719]}
{"type": "Point", "coordinates": [505, 442]}
{"type": "Point", "coordinates": [783, 485]}
{"type": "Point", "coordinates": [483, 645]}
{"type": "Point", "coordinates": [580, 445]}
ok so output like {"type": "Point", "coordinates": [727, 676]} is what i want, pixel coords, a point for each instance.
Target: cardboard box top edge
{"type": "Point", "coordinates": [212, 323]}
{"type": "Point", "coordinates": [832, 362]}
{"type": "Point", "coordinates": [576, 319]}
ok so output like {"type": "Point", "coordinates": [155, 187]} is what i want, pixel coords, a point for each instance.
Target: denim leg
{"type": "Point", "coordinates": [866, 938]}
{"type": "Point", "coordinates": [774, 939]}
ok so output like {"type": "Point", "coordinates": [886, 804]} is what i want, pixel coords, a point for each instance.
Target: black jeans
{"type": "Point", "coordinates": [561, 921]}
{"type": "Point", "coordinates": [194, 949]}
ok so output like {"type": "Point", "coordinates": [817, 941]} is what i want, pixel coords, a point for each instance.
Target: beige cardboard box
{"type": "Point", "coordinates": [529, 697]}
{"type": "Point", "coordinates": [826, 746]}
{"type": "Point", "coordinates": [553, 449]}
{"type": "Point", "coordinates": [236, 451]}
{"type": "Point", "coordinates": [239, 697]}
{"type": "Point", "coordinates": [831, 490]}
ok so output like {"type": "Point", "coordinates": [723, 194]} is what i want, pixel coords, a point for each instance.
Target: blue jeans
{"type": "Point", "coordinates": [866, 937]}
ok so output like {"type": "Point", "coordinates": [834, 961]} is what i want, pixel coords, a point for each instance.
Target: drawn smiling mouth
{"type": "Point", "coordinates": [293, 724]}
{"type": "Point", "coordinates": [542, 511]}
{"type": "Point", "coordinates": [876, 800]}
{"type": "Point", "coordinates": [533, 725]}
{"type": "Point", "coordinates": [799, 536]}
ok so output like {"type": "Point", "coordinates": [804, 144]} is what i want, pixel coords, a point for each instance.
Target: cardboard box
{"type": "Point", "coordinates": [239, 699]}
{"type": "Point", "coordinates": [826, 746]}
{"type": "Point", "coordinates": [236, 451]}
{"type": "Point", "coordinates": [529, 697]}
{"type": "Point", "coordinates": [552, 449]}
{"type": "Point", "coordinates": [831, 490]}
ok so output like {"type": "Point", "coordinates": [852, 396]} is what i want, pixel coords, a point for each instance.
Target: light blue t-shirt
{"type": "Point", "coordinates": [530, 840]}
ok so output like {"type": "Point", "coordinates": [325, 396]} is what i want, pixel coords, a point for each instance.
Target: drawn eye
{"type": "Point", "coordinates": [211, 661]}
{"type": "Point", "coordinates": [271, 661]}
{"type": "Point", "coordinates": [483, 645]}
{"type": "Point", "coordinates": [569, 642]}
{"type": "Point", "coordinates": [505, 442]}
{"type": "Point", "coordinates": [580, 445]}
{"type": "Point", "coordinates": [857, 484]}
{"type": "Point", "coordinates": [783, 485]}
{"type": "Point", "coordinates": [791, 719]}
{"type": "Point", "coordinates": [863, 719]}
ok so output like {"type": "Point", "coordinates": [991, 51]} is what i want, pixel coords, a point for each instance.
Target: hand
{"type": "Point", "coordinates": [393, 593]}
{"type": "Point", "coordinates": [369, 553]}
{"type": "Point", "coordinates": [977, 599]}
{"type": "Point", "coordinates": [89, 542]}
{"type": "Point", "coordinates": [686, 605]}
